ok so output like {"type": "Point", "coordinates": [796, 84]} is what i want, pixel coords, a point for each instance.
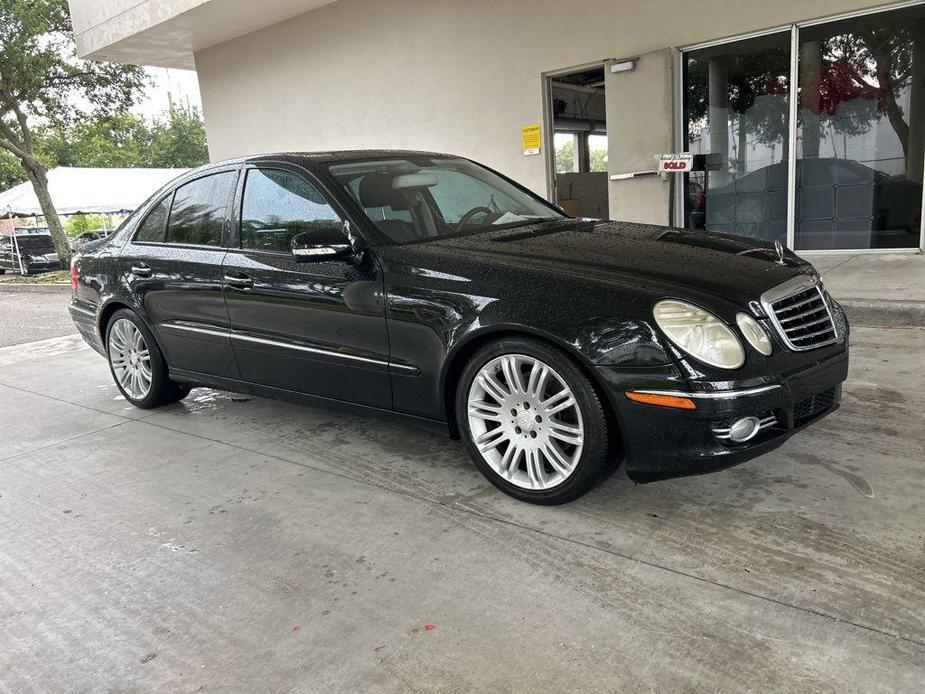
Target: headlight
{"type": "Point", "coordinates": [754, 332]}
{"type": "Point", "coordinates": [699, 333]}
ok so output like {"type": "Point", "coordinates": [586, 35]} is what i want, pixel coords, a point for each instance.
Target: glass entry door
{"type": "Point", "coordinates": [861, 132]}
{"type": "Point", "coordinates": [736, 109]}
{"type": "Point", "coordinates": [853, 176]}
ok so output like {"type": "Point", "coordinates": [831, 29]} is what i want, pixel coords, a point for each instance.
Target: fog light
{"type": "Point", "coordinates": [744, 429]}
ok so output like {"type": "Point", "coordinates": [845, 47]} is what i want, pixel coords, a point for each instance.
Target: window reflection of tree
{"type": "Point", "coordinates": [277, 206]}
{"type": "Point", "coordinates": [857, 73]}
{"type": "Point", "coordinates": [195, 223]}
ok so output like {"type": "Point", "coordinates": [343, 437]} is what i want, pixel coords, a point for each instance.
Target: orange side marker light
{"type": "Point", "coordinates": [662, 400]}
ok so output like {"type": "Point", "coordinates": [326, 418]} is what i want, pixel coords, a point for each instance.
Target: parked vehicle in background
{"type": "Point", "coordinates": [433, 287]}
{"type": "Point", "coordinates": [28, 251]}
{"type": "Point", "coordinates": [76, 242]}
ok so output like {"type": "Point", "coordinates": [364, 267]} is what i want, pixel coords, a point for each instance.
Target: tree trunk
{"type": "Point", "coordinates": [916, 136]}
{"type": "Point", "coordinates": [36, 173]}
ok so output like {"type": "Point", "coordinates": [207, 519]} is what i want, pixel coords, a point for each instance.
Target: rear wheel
{"type": "Point", "coordinates": [137, 365]}
{"type": "Point", "coordinates": [532, 422]}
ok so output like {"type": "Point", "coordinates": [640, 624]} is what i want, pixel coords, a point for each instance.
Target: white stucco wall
{"type": "Point", "coordinates": [463, 77]}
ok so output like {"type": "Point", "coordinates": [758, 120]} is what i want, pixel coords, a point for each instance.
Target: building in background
{"type": "Point", "coordinates": [811, 116]}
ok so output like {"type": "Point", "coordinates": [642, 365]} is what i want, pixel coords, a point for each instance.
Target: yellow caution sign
{"type": "Point", "coordinates": [531, 139]}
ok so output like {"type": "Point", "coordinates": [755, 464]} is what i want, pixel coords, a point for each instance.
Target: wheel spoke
{"type": "Point", "coordinates": [510, 460]}
{"type": "Point", "coordinates": [511, 372]}
{"type": "Point", "coordinates": [566, 432]}
{"type": "Point", "coordinates": [562, 405]}
{"type": "Point", "coordinates": [535, 469]}
{"type": "Point", "coordinates": [484, 410]}
{"type": "Point", "coordinates": [556, 459]}
{"type": "Point", "coordinates": [556, 399]}
{"type": "Point", "coordinates": [491, 386]}
{"type": "Point", "coordinates": [491, 439]}
{"type": "Point", "coordinates": [536, 384]}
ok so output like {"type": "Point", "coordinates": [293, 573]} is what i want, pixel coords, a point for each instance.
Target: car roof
{"type": "Point", "coordinates": [328, 157]}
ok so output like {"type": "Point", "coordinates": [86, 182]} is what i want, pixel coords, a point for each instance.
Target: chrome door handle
{"type": "Point", "coordinates": [240, 282]}
{"type": "Point", "coordinates": [141, 270]}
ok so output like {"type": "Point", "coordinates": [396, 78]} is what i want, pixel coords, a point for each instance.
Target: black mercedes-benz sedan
{"type": "Point", "coordinates": [433, 287]}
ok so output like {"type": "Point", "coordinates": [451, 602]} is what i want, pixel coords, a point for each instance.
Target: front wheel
{"type": "Point", "coordinates": [136, 363]}
{"type": "Point", "coordinates": [532, 422]}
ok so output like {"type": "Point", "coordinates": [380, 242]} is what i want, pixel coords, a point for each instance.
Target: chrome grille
{"type": "Point", "coordinates": [800, 313]}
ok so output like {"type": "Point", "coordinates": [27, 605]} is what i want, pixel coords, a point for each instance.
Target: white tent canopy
{"type": "Point", "coordinates": [75, 190]}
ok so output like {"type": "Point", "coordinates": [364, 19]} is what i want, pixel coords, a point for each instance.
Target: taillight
{"type": "Point", "coordinates": [74, 275]}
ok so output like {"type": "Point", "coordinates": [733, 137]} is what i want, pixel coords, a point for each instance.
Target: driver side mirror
{"type": "Point", "coordinates": [320, 243]}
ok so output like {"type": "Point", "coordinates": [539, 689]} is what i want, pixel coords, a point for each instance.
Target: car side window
{"type": "Point", "coordinates": [198, 211]}
{"type": "Point", "coordinates": [151, 230]}
{"type": "Point", "coordinates": [277, 205]}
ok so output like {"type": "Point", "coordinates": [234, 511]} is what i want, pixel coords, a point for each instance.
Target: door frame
{"type": "Point", "coordinates": [546, 80]}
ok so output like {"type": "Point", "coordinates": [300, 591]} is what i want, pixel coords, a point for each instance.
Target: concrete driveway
{"type": "Point", "coordinates": [29, 314]}
{"type": "Point", "coordinates": [239, 544]}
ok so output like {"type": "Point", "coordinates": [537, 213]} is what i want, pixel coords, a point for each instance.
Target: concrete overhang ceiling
{"type": "Point", "coordinates": [168, 33]}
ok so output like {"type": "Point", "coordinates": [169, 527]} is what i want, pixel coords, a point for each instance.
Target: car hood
{"type": "Point", "coordinates": [662, 258]}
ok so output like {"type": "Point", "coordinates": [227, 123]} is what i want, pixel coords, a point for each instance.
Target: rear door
{"type": "Point", "coordinates": [312, 327]}
{"type": "Point", "coordinates": [174, 266]}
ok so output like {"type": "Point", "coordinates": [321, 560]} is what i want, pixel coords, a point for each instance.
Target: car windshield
{"type": "Point", "coordinates": [423, 198]}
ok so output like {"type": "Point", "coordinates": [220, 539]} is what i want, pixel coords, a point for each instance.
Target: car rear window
{"type": "Point", "coordinates": [197, 215]}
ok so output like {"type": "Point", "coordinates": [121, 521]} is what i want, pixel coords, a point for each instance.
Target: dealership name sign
{"type": "Point", "coordinates": [678, 162]}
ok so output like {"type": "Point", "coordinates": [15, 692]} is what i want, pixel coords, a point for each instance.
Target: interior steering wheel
{"type": "Point", "coordinates": [481, 209]}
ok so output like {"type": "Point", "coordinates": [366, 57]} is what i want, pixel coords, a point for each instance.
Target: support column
{"type": "Point", "coordinates": [718, 95]}
{"type": "Point", "coordinates": [810, 98]}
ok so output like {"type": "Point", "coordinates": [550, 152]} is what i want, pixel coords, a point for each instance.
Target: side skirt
{"type": "Point", "coordinates": [236, 386]}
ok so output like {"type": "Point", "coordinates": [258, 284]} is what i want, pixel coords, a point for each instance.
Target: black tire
{"type": "Point", "coordinates": [594, 463]}
{"type": "Point", "coordinates": [163, 391]}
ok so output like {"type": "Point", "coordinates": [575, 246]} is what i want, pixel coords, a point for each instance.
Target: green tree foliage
{"type": "Point", "coordinates": [79, 223]}
{"type": "Point", "coordinates": [565, 157]}
{"type": "Point", "coordinates": [124, 140]}
{"type": "Point", "coordinates": [11, 172]}
{"type": "Point", "coordinates": [598, 160]}
{"type": "Point", "coordinates": [109, 140]}
{"type": "Point", "coordinates": [179, 140]}
{"type": "Point", "coordinates": [42, 81]}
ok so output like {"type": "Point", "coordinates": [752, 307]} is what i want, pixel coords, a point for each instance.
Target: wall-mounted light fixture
{"type": "Point", "coordinates": [624, 65]}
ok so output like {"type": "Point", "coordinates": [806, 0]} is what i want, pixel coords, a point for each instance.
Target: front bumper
{"type": "Point", "coordinates": [661, 442]}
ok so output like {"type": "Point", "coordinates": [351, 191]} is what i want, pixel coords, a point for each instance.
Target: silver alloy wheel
{"type": "Point", "coordinates": [130, 358]}
{"type": "Point", "coordinates": [525, 421]}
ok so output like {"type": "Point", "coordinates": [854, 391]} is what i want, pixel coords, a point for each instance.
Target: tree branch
{"type": "Point", "coordinates": [14, 150]}
{"type": "Point", "coordinates": [8, 133]}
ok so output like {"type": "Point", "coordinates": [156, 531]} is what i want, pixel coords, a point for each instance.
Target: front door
{"type": "Point", "coordinates": [174, 265]}
{"type": "Point", "coordinates": [310, 327]}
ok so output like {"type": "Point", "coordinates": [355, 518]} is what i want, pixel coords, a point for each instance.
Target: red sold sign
{"type": "Point", "coordinates": [674, 163]}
